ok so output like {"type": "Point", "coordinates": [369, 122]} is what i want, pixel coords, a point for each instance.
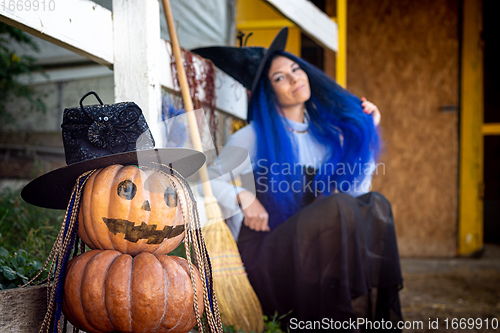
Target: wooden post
{"type": "Point", "coordinates": [470, 224]}
{"type": "Point", "coordinates": [341, 56]}
{"type": "Point", "coordinates": [136, 30]}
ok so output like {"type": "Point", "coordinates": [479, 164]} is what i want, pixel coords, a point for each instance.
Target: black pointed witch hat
{"type": "Point", "coordinates": [244, 64]}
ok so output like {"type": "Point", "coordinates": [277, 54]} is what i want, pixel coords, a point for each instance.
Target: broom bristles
{"type": "Point", "coordinates": [238, 303]}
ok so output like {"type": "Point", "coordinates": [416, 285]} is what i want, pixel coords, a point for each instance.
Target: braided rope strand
{"type": "Point", "coordinates": [187, 244]}
{"type": "Point", "coordinates": [200, 264]}
{"type": "Point", "coordinates": [206, 261]}
{"type": "Point", "coordinates": [58, 258]}
{"type": "Point", "coordinates": [194, 238]}
{"type": "Point", "coordinates": [200, 255]}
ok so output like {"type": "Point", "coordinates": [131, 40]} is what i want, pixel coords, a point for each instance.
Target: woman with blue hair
{"type": "Point", "coordinates": [316, 244]}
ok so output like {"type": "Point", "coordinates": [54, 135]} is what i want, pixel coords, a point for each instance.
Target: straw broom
{"type": "Point", "coordinates": [238, 304]}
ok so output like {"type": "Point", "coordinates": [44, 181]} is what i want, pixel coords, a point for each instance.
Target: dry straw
{"type": "Point", "coordinates": [238, 303]}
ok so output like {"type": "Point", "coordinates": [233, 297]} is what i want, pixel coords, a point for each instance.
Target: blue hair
{"type": "Point", "coordinates": [336, 119]}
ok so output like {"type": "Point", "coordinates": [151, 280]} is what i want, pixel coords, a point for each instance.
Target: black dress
{"type": "Point", "coordinates": [333, 261]}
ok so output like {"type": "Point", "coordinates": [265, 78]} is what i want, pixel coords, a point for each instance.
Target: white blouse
{"type": "Point", "coordinates": [311, 153]}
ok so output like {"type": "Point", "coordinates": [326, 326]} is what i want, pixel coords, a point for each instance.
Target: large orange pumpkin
{"type": "Point", "coordinates": [107, 291]}
{"type": "Point", "coordinates": [131, 210]}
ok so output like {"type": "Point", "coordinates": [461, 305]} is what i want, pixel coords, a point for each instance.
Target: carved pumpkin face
{"type": "Point", "coordinates": [131, 210]}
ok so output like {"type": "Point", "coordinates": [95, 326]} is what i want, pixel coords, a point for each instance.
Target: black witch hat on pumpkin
{"type": "Point", "coordinates": [244, 64]}
{"type": "Point", "coordinates": [96, 136]}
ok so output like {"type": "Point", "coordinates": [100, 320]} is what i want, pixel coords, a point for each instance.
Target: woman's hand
{"type": "Point", "coordinates": [372, 109]}
{"type": "Point", "coordinates": [256, 217]}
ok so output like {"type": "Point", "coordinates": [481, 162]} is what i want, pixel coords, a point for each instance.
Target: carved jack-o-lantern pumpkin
{"type": "Point", "coordinates": [107, 291]}
{"type": "Point", "coordinates": [131, 210]}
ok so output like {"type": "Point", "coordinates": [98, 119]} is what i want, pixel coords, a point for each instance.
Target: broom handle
{"type": "Point", "coordinates": [186, 96]}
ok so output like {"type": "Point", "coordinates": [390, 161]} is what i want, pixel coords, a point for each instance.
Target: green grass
{"type": "Point", "coordinates": [27, 234]}
{"type": "Point", "coordinates": [16, 269]}
{"type": "Point", "coordinates": [24, 226]}
{"type": "Point", "coordinates": [271, 325]}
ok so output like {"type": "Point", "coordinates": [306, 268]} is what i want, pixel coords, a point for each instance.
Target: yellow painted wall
{"type": "Point", "coordinates": [264, 22]}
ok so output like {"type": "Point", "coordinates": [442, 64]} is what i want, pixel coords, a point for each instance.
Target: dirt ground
{"type": "Point", "coordinates": [445, 289]}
